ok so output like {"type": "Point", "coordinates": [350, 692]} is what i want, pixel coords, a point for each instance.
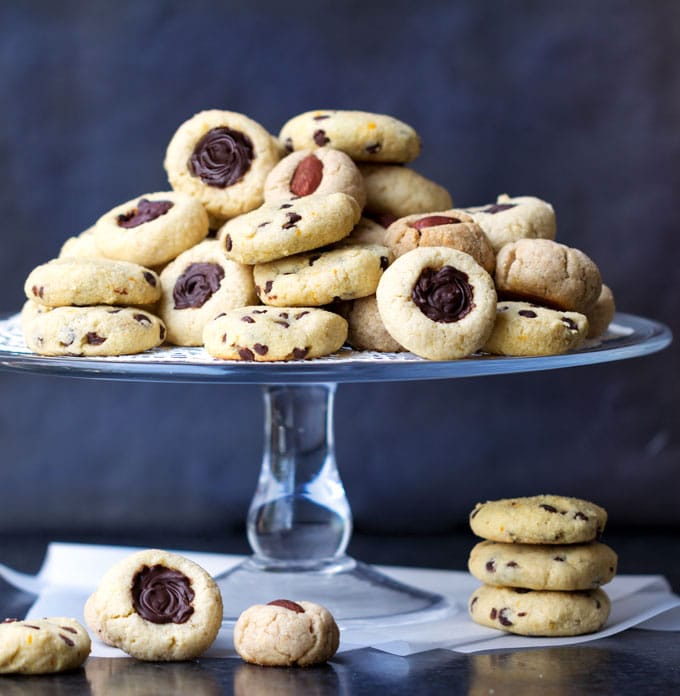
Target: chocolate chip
{"type": "Point", "coordinates": [503, 617]}
{"type": "Point", "coordinates": [548, 508]}
{"type": "Point", "coordinates": [288, 144]}
{"type": "Point", "coordinates": [498, 208]}
{"type": "Point", "coordinates": [314, 258]}
{"type": "Point", "coordinates": [224, 338]}
{"type": "Point", "coordinates": [580, 516]}
{"type": "Point", "coordinates": [521, 590]}
{"type": "Point", "coordinates": [259, 311]}
{"type": "Point", "coordinates": [384, 262]}
{"type": "Point", "coordinates": [161, 332]}
{"type": "Point", "coordinates": [248, 320]}
{"type": "Point", "coordinates": [293, 218]}
{"type": "Point", "coordinates": [66, 640]}
{"type": "Point", "coordinates": [260, 348]}
{"type": "Point", "coordinates": [37, 628]}
{"type": "Point", "coordinates": [527, 313]}
{"type": "Point", "coordinates": [300, 353]}
{"type": "Point", "coordinates": [228, 243]}
{"type": "Point", "coordinates": [268, 286]}
{"type": "Point", "coordinates": [287, 604]}
{"type": "Point", "coordinates": [263, 224]}
{"type": "Point", "coordinates": [512, 564]}
{"type": "Point", "coordinates": [299, 315]}
{"type": "Point", "coordinates": [522, 613]}
{"type": "Point", "coordinates": [93, 339]}
{"type": "Point", "coordinates": [320, 138]}
{"type": "Point", "coordinates": [146, 211]}
{"type": "Point", "coordinates": [597, 603]}
{"type": "Point", "coordinates": [473, 602]}
{"type": "Point", "coordinates": [38, 291]}
{"type": "Point", "coordinates": [143, 319]}
{"type": "Point", "coordinates": [570, 324]}
{"type": "Point", "coordinates": [491, 566]}
{"type": "Point", "coordinates": [286, 205]}
{"type": "Point", "coordinates": [283, 315]}
{"type": "Point", "coordinates": [246, 354]}
{"type": "Point", "coordinates": [69, 629]}
{"type": "Point", "coordinates": [373, 148]}
{"type": "Point", "coordinates": [285, 324]}
{"type": "Point", "coordinates": [562, 559]}
{"type": "Point", "coordinates": [473, 514]}
{"type": "Point", "coordinates": [69, 338]}
{"type": "Point", "coordinates": [493, 614]}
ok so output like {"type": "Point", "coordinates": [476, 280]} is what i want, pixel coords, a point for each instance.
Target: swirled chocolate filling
{"type": "Point", "coordinates": [145, 211]}
{"type": "Point", "coordinates": [197, 284]}
{"type": "Point", "coordinates": [162, 595]}
{"type": "Point", "coordinates": [221, 157]}
{"type": "Point", "coordinates": [443, 295]}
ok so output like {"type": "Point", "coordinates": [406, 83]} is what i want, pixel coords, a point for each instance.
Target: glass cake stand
{"type": "Point", "coordinates": [299, 522]}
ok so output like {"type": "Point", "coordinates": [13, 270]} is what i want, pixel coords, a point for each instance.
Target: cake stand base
{"type": "Point", "coordinates": [353, 592]}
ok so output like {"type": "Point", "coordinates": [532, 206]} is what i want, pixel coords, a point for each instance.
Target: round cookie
{"type": "Point", "coordinates": [401, 191]}
{"type": "Point", "coordinates": [82, 245]}
{"type": "Point", "coordinates": [523, 328]}
{"type": "Point", "coordinates": [367, 231]}
{"type": "Point", "coordinates": [601, 314]}
{"type": "Point", "coordinates": [318, 278]}
{"type": "Point", "coordinates": [510, 219]}
{"type": "Point", "coordinates": [267, 333]}
{"type": "Point", "coordinates": [152, 229]}
{"type": "Point", "coordinates": [539, 519]}
{"type": "Point", "coordinates": [85, 282]}
{"type": "Point", "coordinates": [197, 286]}
{"type": "Point", "coordinates": [284, 633]}
{"type": "Point", "coordinates": [449, 228]}
{"type": "Point", "coordinates": [437, 302]}
{"type": "Point", "coordinates": [321, 171]}
{"type": "Point", "coordinates": [102, 330]}
{"type": "Point", "coordinates": [543, 566]}
{"type": "Point", "coordinates": [282, 229]}
{"type": "Point", "coordinates": [222, 158]}
{"type": "Point", "coordinates": [535, 613]}
{"type": "Point", "coordinates": [365, 137]}
{"type": "Point", "coordinates": [158, 606]}
{"type": "Point", "coordinates": [548, 273]}
{"type": "Point", "coordinates": [42, 646]}
{"type": "Point", "coordinates": [366, 330]}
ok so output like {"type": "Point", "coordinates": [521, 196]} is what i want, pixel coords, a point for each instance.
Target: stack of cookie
{"type": "Point", "coordinates": [541, 565]}
{"type": "Point", "coordinates": [284, 248]}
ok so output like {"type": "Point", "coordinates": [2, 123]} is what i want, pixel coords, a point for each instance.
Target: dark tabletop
{"type": "Point", "coordinates": [634, 662]}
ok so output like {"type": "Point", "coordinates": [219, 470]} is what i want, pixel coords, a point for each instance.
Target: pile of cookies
{"type": "Point", "coordinates": [541, 565]}
{"type": "Point", "coordinates": [285, 248]}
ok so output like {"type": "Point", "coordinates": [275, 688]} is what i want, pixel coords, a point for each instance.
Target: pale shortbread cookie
{"type": "Point", "coordinates": [75, 281]}
{"type": "Point", "coordinates": [285, 633]}
{"type": "Point", "coordinates": [450, 228]}
{"type": "Point", "coordinates": [151, 229]}
{"type": "Point", "coordinates": [101, 330]}
{"type": "Point", "coordinates": [268, 333]}
{"type": "Point", "coordinates": [197, 286]}
{"type": "Point", "coordinates": [368, 231]}
{"type": "Point", "coordinates": [437, 302]}
{"type": "Point", "coordinates": [82, 245]}
{"type": "Point", "coordinates": [42, 646]}
{"type": "Point", "coordinates": [320, 277]}
{"type": "Point", "coordinates": [601, 314]}
{"type": "Point", "coordinates": [548, 273]}
{"type": "Point", "coordinates": [539, 519]}
{"type": "Point", "coordinates": [400, 191]}
{"type": "Point", "coordinates": [157, 606]}
{"type": "Point", "coordinates": [222, 158]}
{"type": "Point", "coordinates": [523, 328]}
{"type": "Point", "coordinates": [510, 219]}
{"type": "Point", "coordinates": [543, 566]}
{"type": "Point", "coordinates": [535, 613]}
{"type": "Point", "coordinates": [365, 137]}
{"type": "Point", "coordinates": [304, 172]}
{"type": "Point", "coordinates": [366, 330]}
{"type": "Point", "coordinates": [285, 228]}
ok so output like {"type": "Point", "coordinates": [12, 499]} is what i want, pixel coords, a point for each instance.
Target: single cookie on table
{"type": "Point", "coordinates": [365, 137]}
{"type": "Point", "coordinates": [321, 171]}
{"type": "Point", "coordinates": [197, 286]}
{"type": "Point", "coordinates": [523, 328]}
{"type": "Point", "coordinates": [437, 302]}
{"type": "Point", "coordinates": [284, 228]}
{"type": "Point", "coordinates": [268, 333]}
{"type": "Point", "coordinates": [81, 282]}
{"type": "Point", "coordinates": [538, 519]}
{"type": "Point", "coordinates": [510, 219]}
{"type": "Point", "coordinates": [42, 646]}
{"type": "Point", "coordinates": [317, 278]}
{"type": "Point", "coordinates": [400, 191]}
{"type": "Point", "coordinates": [543, 566]}
{"type": "Point", "coordinates": [284, 633]}
{"type": "Point", "coordinates": [157, 606]}
{"type": "Point", "coordinates": [367, 231]}
{"type": "Point", "coordinates": [448, 228]}
{"type": "Point", "coordinates": [366, 330]}
{"type": "Point", "coordinates": [601, 314]}
{"type": "Point", "coordinates": [222, 158]}
{"type": "Point", "coordinates": [151, 229]}
{"type": "Point", "coordinates": [82, 245]}
{"type": "Point", "coordinates": [536, 613]}
{"type": "Point", "coordinates": [101, 330]}
{"type": "Point", "coordinates": [548, 273]}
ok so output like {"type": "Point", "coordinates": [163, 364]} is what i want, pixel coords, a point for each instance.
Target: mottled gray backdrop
{"type": "Point", "coordinates": [577, 102]}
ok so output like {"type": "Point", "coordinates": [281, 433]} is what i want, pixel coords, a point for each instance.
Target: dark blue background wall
{"type": "Point", "coordinates": [578, 103]}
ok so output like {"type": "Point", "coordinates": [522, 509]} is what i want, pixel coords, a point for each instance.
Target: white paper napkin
{"type": "Point", "coordinates": [71, 572]}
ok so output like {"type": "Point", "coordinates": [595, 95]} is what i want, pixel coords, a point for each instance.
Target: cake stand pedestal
{"type": "Point", "coordinates": [299, 523]}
